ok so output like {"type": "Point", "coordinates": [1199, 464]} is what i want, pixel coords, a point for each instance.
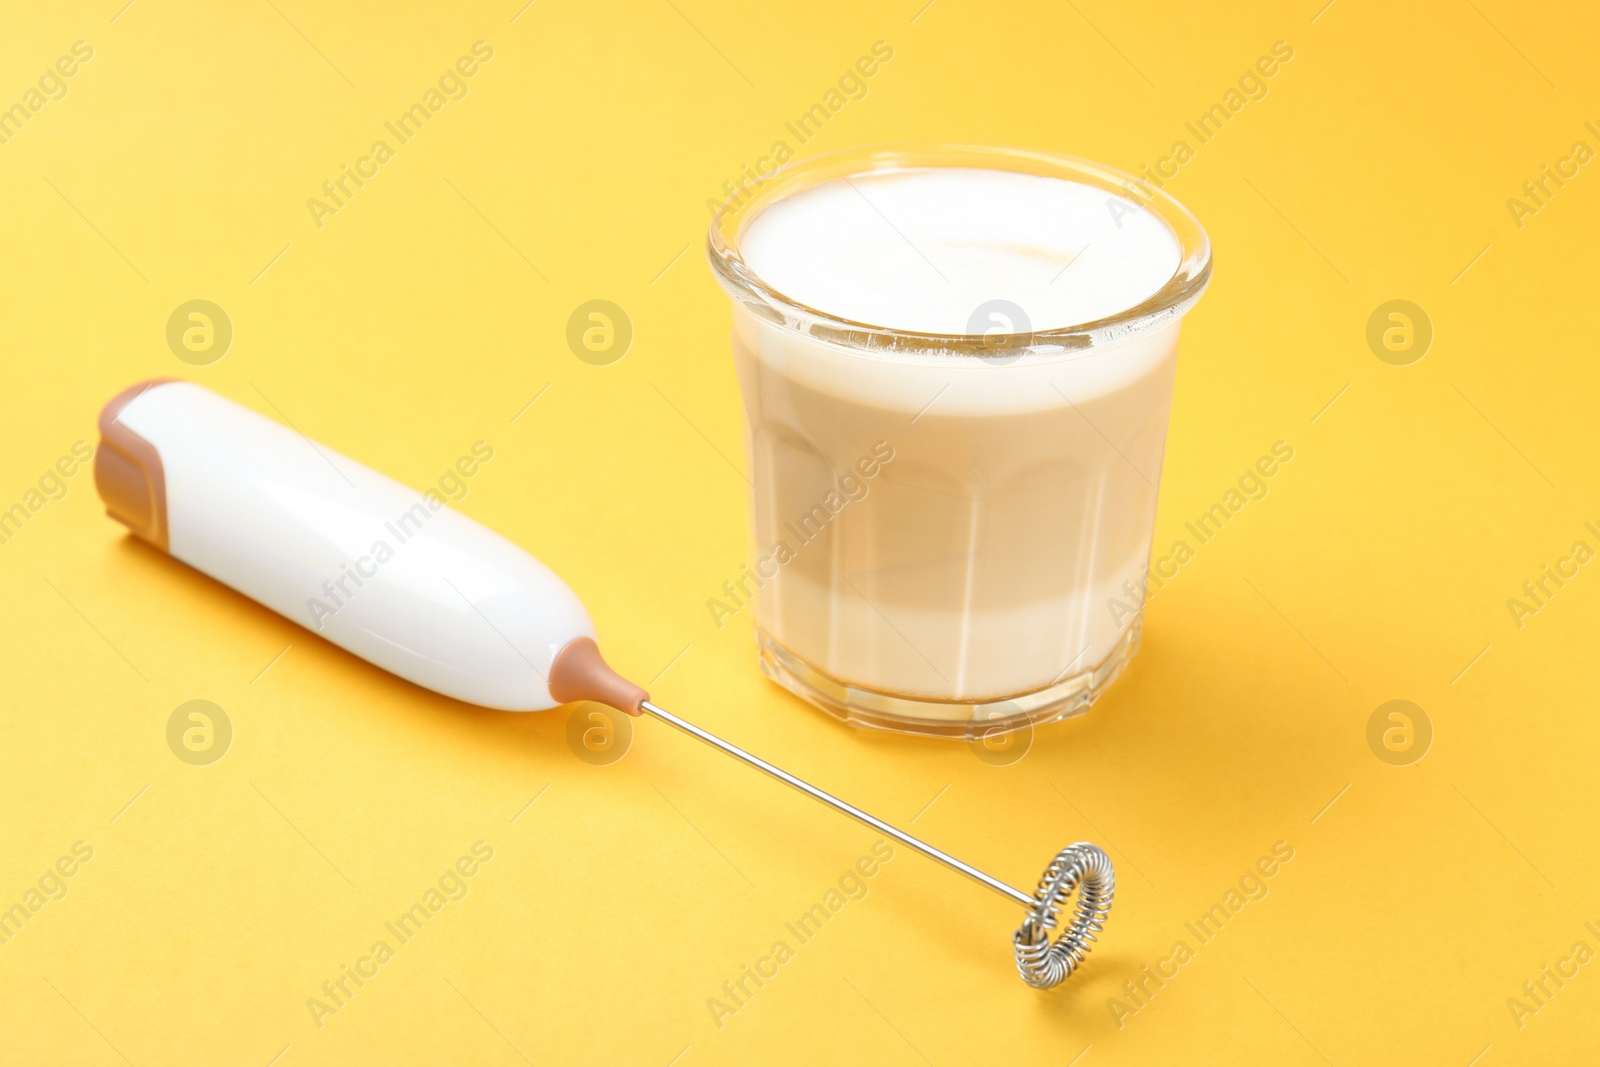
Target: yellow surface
{"type": "Point", "coordinates": [432, 307]}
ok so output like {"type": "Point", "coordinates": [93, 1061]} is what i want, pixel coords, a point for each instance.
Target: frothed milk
{"type": "Point", "coordinates": [940, 527]}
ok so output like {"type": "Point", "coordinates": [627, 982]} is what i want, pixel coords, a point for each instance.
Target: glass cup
{"type": "Point", "coordinates": [951, 531]}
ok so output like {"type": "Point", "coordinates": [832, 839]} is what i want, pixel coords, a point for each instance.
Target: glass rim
{"type": "Point", "coordinates": [1160, 309]}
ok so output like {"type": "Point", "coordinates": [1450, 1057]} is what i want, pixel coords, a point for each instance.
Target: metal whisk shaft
{"type": "Point", "coordinates": [1010, 893]}
{"type": "Point", "coordinates": [1082, 867]}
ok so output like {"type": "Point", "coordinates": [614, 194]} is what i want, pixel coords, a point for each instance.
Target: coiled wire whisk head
{"type": "Point", "coordinates": [1086, 868]}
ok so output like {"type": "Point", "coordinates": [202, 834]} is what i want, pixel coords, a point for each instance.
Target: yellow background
{"type": "Point", "coordinates": [432, 308]}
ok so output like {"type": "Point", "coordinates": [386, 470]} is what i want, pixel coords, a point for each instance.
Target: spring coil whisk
{"type": "Point", "coordinates": [1087, 869]}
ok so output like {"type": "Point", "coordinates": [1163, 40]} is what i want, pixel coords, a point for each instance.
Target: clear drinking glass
{"type": "Point", "coordinates": [951, 531]}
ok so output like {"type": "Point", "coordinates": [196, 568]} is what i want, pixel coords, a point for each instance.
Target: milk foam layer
{"type": "Point", "coordinates": [921, 249]}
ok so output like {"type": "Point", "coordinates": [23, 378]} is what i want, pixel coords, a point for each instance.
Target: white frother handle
{"type": "Point", "coordinates": [391, 574]}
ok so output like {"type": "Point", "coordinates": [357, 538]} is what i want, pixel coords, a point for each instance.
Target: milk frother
{"type": "Point", "coordinates": [407, 583]}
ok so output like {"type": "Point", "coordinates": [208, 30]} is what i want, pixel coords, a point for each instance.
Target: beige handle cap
{"type": "Point", "coordinates": [581, 673]}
